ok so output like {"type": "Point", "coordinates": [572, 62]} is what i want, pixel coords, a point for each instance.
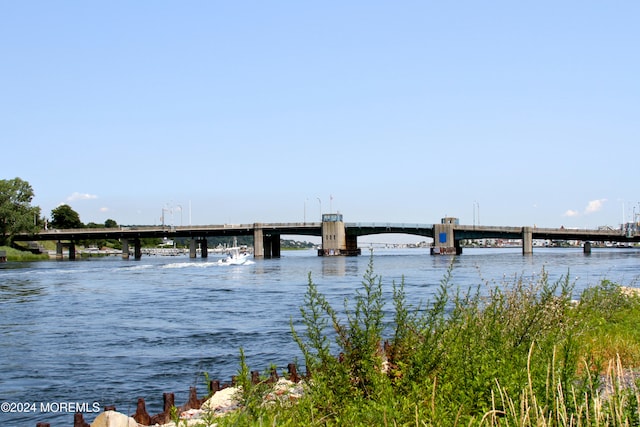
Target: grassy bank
{"type": "Point", "coordinates": [16, 255]}
{"type": "Point", "coordinates": [522, 353]}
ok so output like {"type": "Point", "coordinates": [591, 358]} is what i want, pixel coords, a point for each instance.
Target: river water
{"type": "Point", "coordinates": [105, 331]}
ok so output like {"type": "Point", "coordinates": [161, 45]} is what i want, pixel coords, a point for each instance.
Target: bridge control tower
{"type": "Point", "coordinates": [444, 242]}
{"type": "Point", "coordinates": [335, 241]}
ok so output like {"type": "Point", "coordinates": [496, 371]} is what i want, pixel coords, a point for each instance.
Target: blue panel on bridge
{"type": "Point", "coordinates": [443, 237]}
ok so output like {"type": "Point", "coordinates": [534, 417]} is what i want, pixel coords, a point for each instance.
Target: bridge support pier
{"type": "Point", "coordinates": [527, 241]}
{"type": "Point", "coordinates": [137, 249]}
{"type": "Point", "coordinates": [265, 245]}
{"type": "Point", "coordinates": [258, 242]}
{"type": "Point", "coordinates": [334, 237]}
{"type": "Point", "coordinates": [444, 241]}
{"type": "Point", "coordinates": [271, 245]}
{"type": "Point", "coordinates": [60, 250]}
{"type": "Point", "coordinates": [204, 248]}
{"type": "Point", "coordinates": [193, 247]}
{"type": "Point", "coordinates": [125, 248]}
{"type": "Point", "coordinates": [586, 249]}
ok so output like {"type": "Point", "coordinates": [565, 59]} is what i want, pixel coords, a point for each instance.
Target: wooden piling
{"type": "Point", "coordinates": [293, 372]}
{"type": "Point", "coordinates": [273, 375]}
{"type": "Point", "coordinates": [78, 420]}
{"type": "Point", "coordinates": [193, 402]}
{"type": "Point", "coordinates": [142, 416]}
{"type": "Point", "coordinates": [165, 416]}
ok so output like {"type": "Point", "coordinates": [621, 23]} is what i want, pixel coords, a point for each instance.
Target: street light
{"type": "Point", "coordinates": [320, 201]}
{"type": "Point", "coordinates": [476, 204]}
{"type": "Point", "coordinates": [180, 207]}
{"type": "Point", "coordinates": [474, 213]}
{"type": "Point", "coordinates": [304, 217]}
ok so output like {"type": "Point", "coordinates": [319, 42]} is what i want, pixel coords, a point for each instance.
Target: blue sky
{"type": "Point", "coordinates": [498, 112]}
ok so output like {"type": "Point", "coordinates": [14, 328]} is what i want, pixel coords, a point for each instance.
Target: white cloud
{"type": "Point", "coordinates": [104, 209]}
{"type": "Point", "coordinates": [594, 206]}
{"type": "Point", "coordinates": [81, 196]}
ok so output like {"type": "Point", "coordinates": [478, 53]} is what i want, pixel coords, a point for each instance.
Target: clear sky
{"type": "Point", "coordinates": [496, 112]}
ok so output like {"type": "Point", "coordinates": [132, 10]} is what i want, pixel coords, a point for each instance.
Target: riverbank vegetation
{"type": "Point", "coordinates": [17, 255]}
{"type": "Point", "coordinates": [523, 353]}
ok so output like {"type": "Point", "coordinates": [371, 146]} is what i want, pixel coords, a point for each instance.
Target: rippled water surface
{"type": "Point", "coordinates": [108, 330]}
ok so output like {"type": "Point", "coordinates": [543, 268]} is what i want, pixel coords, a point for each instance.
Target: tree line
{"type": "Point", "coordinates": [18, 215]}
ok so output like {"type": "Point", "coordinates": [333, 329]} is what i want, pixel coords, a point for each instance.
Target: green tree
{"type": "Point", "coordinates": [65, 217]}
{"type": "Point", "coordinates": [110, 223]}
{"type": "Point", "coordinates": [16, 213]}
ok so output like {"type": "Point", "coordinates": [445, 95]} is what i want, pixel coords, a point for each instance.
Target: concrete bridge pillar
{"type": "Point", "coordinates": [60, 250]}
{"type": "Point", "coordinates": [265, 245]}
{"type": "Point", "coordinates": [258, 241]}
{"type": "Point", "coordinates": [137, 249]}
{"type": "Point", "coordinates": [204, 248]}
{"type": "Point", "coordinates": [125, 248]}
{"type": "Point", "coordinates": [271, 245]}
{"type": "Point", "coordinates": [586, 248]}
{"type": "Point", "coordinates": [352, 244]}
{"type": "Point", "coordinates": [527, 241]}
{"type": "Point", "coordinates": [193, 248]}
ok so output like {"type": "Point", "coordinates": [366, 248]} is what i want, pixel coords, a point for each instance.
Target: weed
{"type": "Point", "coordinates": [519, 353]}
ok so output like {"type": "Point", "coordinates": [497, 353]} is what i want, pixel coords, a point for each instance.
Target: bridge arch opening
{"type": "Point", "coordinates": [391, 240]}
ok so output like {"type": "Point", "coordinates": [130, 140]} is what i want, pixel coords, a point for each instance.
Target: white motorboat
{"type": "Point", "coordinates": [236, 256]}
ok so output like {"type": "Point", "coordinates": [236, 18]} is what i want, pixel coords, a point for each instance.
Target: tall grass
{"type": "Point", "coordinates": [16, 255]}
{"type": "Point", "coordinates": [520, 353]}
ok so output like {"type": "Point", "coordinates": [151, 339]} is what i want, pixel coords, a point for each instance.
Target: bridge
{"type": "Point", "coordinates": [338, 237]}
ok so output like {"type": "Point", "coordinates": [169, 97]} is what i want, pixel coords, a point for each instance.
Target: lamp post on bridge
{"type": "Point", "coordinates": [304, 215]}
{"type": "Point", "coordinates": [320, 201]}
{"type": "Point", "coordinates": [162, 215]}
{"type": "Point", "coordinates": [476, 204]}
{"type": "Point", "coordinates": [180, 207]}
{"type": "Point", "coordinates": [168, 208]}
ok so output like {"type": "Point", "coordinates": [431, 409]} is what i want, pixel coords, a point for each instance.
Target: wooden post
{"type": "Point", "coordinates": [193, 402]}
{"type": "Point", "coordinates": [165, 416]}
{"type": "Point", "coordinates": [293, 372]}
{"type": "Point", "coordinates": [273, 377]}
{"type": "Point", "coordinates": [78, 420]}
{"type": "Point", "coordinates": [142, 416]}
